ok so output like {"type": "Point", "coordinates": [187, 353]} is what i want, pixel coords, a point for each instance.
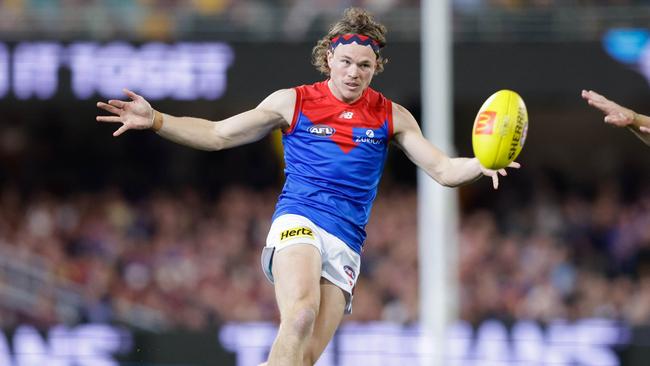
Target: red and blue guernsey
{"type": "Point", "coordinates": [335, 154]}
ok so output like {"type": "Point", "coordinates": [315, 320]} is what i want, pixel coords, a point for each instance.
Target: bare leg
{"type": "Point", "coordinates": [296, 273]}
{"type": "Point", "coordinates": [332, 308]}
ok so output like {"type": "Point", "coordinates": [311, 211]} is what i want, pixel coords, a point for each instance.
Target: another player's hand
{"type": "Point", "coordinates": [494, 174]}
{"type": "Point", "coordinates": [614, 114]}
{"type": "Point", "coordinates": [134, 115]}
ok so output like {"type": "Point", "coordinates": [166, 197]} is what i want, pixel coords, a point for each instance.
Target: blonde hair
{"type": "Point", "coordinates": [355, 20]}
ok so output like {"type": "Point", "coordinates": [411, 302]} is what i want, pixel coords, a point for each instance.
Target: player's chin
{"type": "Point", "coordinates": [353, 94]}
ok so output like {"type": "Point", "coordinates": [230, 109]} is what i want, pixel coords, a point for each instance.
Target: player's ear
{"type": "Point", "coordinates": [330, 58]}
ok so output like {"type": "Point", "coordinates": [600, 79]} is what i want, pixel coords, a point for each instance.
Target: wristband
{"type": "Point", "coordinates": [157, 122]}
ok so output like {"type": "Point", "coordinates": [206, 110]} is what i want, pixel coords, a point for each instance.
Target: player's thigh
{"type": "Point", "coordinates": [296, 272]}
{"type": "Point", "coordinates": [332, 308]}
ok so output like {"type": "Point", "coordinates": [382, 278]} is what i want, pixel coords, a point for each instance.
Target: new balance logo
{"type": "Point", "coordinates": [346, 115]}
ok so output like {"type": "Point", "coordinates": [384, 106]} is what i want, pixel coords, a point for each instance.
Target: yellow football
{"type": "Point", "coordinates": [500, 129]}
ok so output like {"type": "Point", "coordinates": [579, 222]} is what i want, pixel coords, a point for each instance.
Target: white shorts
{"type": "Point", "coordinates": [340, 264]}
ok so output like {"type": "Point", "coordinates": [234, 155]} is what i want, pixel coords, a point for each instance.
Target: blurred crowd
{"type": "Point", "coordinates": [179, 260]}
{"type": "Point", "coordinates": [521, 4]}
{"type": "Point", "coordinates": [170, 20]}
{"type": "Point", "coordinates": [174, 19]}
{"type": "Point", "coordinates": [569, 256]}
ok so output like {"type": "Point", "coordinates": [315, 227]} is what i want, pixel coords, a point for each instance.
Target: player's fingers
{"type": "Point", "coordinates": [117, 103]}
{"type": "Point", "coordinates": [109, 119]}
{"type": "Point", "coordinates": [601, 104]}
{"type": "Point", "coordinates": [495, 181]}
{"type": "Point", "coordinates": [588, 94]}
{"type": "Point", "coordinates": [120, 130]}
{"type": "Point", "coordinates": [109, 108]}
{"type": "Point", "coordinates": [614, 118]}
{"type": "Point", "coordinates": [131, 94]}
{"type": "Point", "coordinates": [644, 129]}
{"type": "Point", "coordinates": [596, 96]}
{"type": "Point", "coordinates": [514, 165]}
{"type": "Point", "coordinates": [596, 104]}
{"type": "Point", "coordinates": [502, 172]}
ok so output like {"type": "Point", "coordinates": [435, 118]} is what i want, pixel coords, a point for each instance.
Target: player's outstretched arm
{"type": "Point", "coordinates": [137, 114]}
{"type": "Point", "coordinates": [620, 116]}
{"type": "Point", "coordinates": [450, 172]}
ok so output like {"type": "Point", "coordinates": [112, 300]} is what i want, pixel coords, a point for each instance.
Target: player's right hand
{"type": "Point", "coordinates": [136, 114]}
{"type": "Point", "coordinates": [494, 174]}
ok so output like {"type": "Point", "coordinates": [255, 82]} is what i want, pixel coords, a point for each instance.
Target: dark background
{"type": "Point", "coordinates": [61, 148]}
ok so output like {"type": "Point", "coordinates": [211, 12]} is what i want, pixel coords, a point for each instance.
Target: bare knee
{"type": "Point", "coordinates": [301, 321]}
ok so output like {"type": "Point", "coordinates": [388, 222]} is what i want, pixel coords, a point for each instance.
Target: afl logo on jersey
{"type": "Point", "coordinates": [322, 130]}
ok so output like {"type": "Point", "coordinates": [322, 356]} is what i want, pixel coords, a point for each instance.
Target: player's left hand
{"type": "Point", "coordinates": [494, 174]}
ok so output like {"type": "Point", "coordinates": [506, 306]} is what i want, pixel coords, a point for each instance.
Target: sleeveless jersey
{"type": "Point", "coordinates": [335, 154]}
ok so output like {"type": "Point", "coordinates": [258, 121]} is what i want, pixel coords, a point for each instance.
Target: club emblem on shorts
{"type": "Point", "coordinates": [349, 271]}
{"type": "Point", "coordinates": [298, 232]}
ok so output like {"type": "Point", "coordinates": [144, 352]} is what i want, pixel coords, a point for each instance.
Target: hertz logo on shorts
{"type": "Point", "coordinates": [299, 232]}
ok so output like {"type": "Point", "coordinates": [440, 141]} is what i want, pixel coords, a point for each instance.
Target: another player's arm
{"type": "Point", "coordinates": [273, 112]}
{"type": "Point", "coordinates": [449, 172]}
{"type": "Point", "coordinates": [620, 116]}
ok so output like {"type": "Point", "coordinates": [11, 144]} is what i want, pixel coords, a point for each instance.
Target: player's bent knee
{"type": "Point", "coordinates": [301, 322]}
